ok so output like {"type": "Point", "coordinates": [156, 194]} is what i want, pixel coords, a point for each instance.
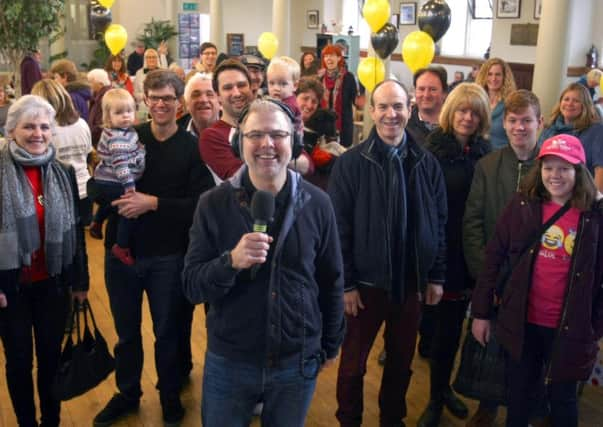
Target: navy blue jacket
{"type": "Point", "coordinates": [357, 189]}
{"type": "Point", "coordinates": [299, 310]}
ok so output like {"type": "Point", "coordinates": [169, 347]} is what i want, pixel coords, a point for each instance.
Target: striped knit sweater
{"type": "Point", "coordinates": [122, 157]}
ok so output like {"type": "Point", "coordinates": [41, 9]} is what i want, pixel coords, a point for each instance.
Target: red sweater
{"type": "Point", "coordinates": [37, 271]}
{"type": "Point", "coordinates": [214, 146]}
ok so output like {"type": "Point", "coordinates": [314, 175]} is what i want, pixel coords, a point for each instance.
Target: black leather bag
{"type": "Point", "coordinates": [85, 362]}
{"type": "Point", "coordinates": [481, 373]}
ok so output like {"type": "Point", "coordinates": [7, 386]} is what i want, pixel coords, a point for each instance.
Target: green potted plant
{"type": "Point", "coordinates": [155, 32]}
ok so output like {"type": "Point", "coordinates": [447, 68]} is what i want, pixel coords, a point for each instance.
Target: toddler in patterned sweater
{"type": "Point", "coordinates": [122, 161]}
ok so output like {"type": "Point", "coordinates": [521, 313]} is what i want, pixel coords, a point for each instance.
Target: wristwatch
{"type": "Point", "coordinates": [226, 260]}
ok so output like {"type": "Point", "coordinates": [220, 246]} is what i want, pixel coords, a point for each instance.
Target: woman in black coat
{"type": "Point", "coordinates": [319, 125]}
{"type": "Point", "coordinates": [458, 144]}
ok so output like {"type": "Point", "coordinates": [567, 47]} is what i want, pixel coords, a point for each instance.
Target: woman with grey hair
{"type": "Point", "coordinates": [100, 83]}
{"type": "Point", "coordinates": [43, 256]}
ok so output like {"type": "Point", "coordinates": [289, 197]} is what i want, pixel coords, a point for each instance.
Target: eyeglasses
{"type": "Point", "coordinates": [275, 135]}
{"type": "Point", "coordinates": [167, 99]}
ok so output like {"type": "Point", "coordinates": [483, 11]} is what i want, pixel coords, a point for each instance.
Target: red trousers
{"type": "Point", "coordinates": [401, 324]}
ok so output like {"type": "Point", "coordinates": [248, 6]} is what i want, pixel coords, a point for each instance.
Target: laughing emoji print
{"type": "Point", "coordinates": [569, 241]}
{"type": "Point", "coordinates": [553, 238]}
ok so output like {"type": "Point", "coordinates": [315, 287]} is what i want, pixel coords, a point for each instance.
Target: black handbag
{"type": "Point", "coordinates": [481, 373]}
{"type": "Point", "coordinates": [85, 363]}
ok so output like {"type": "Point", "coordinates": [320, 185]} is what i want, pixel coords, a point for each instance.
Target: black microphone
{"type": "Point", "coordinates": [262, 211]}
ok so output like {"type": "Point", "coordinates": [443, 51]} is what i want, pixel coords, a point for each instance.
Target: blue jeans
{"type": "Point", "coordinates": [159, 277]}
{"type": "Point", "coordinates": [231, 390]}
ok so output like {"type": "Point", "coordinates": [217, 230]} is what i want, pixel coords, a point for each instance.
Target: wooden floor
{"type": "Point", "coordinates": [80, 411]}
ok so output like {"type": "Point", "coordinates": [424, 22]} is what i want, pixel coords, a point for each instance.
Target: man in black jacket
{"type": "Point", "coordinates": [163, 205]}
{"type": "Point", "coordinates": [430, 92]}
{"type": "Point", "coordinates": [390, 203]}
{"type": "Point", "coordinates": [276, 297]}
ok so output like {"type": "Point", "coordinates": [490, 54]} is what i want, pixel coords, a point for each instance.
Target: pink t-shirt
{"type": "Point", "coordinates": [551, 268]}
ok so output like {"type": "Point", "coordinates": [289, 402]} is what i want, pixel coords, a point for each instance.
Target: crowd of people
{"type": "Point", "coordinates": [239, 186]}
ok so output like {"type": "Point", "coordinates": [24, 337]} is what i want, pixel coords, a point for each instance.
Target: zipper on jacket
{"type": "Point", "coordinates": [387, 217]}
{"type": "Point", "coordinates": [415, 239]}
{"type": "Point", "coordinates": [547, 378]}
{"type": "Point", "coordinates": [518, 176]}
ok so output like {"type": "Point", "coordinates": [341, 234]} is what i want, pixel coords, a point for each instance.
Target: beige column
{"type": "Point", "coordinates": [280, 25]}
{"type": "Point", "coordinates": [216, 27]}
{"type": "Point", "coordinates": [551, 63]}
{"type": "Point", "coordinates": [57, 40]}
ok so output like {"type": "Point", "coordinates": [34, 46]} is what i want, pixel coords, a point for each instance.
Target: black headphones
{"type": "Point", "coordinates": [236, 142]}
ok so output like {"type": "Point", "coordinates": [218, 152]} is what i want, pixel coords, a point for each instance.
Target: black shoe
{"type": "Point", "coordinates": [432, 414]}
{"type": "Point", "coordinates": [455, 405]}
{"type": "Point", "coordinates": [382, 357]}
{"type": "Point", "coordinates": [118, 407]}
{"type": "Point", "coordinates": [96, 230]}
{"type": "Point", "coordinates": [173, 412]}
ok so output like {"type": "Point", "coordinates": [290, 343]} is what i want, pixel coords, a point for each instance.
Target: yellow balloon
{"type": "Point", "coordinates": [418, 49]}
{"type": "Point", "coordinates": [376, 13]}
{"type": "Point", "coordinates": [106, 3]}
{"type": "Point", "coordinates": [268, 44]}
{"type": "Point", "coordinates": [371, 71]}
{"type": "Point", "coordinates": [601, 84]}
{"type": "Point", "coordinates": [116, 38]}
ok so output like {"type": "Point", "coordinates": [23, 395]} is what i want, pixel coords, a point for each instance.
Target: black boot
{"type": "Point", "coordinates": [455, 405]}
{"type": "Point", "coordinates": [432, 414]}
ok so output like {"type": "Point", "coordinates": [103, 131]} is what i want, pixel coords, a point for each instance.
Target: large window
{"type": "Point", "coordinates": [352, 17]}
{"type": "Point", "coordinates": [468, 36]}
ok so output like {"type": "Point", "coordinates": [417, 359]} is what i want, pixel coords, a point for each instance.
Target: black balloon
{"type": "Point", "coordinates": [100, 18]}
{"type": "Point", "coordinates": [434, 18]}
{"type": "Point", "coordinates": [385, 40]}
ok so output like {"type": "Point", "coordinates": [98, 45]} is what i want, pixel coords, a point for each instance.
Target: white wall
{"type": "Point", "coordinates": [501, 36]}
{"type": "Point", "coordinates": [133, 15]}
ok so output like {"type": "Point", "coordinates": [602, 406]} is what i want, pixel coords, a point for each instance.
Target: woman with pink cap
{"type": "Point", "coordinates": [548, 251]}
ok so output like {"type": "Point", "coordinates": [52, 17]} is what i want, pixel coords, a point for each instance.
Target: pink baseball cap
{"type": "Point", "coordinates": [567, 147]}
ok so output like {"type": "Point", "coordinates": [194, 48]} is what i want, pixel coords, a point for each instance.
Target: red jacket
{"type": "Point", "coordinates": [581, 325]}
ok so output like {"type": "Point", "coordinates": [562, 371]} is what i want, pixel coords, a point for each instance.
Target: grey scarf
{"type": "Point", "coordinates": [19, 232]}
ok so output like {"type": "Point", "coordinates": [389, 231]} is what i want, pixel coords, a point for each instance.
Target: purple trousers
{"type": "Point", "coordinates": [401, 324]}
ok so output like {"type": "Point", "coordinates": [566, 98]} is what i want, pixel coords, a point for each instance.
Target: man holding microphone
{"type": "Point", "coordinates": [276, 297]}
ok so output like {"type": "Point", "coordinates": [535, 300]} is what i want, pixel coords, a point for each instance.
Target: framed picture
{"type": "Point", "coordinates": [408, 13]}
{"type": "Point", "coordinates": [537, 9]}
{"type": "Point", "coordinates": [508, 8]}
{"type": "Point", "coordinates": [312, 19]}
{"type": "Point", "coordinates": [235, 44]}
